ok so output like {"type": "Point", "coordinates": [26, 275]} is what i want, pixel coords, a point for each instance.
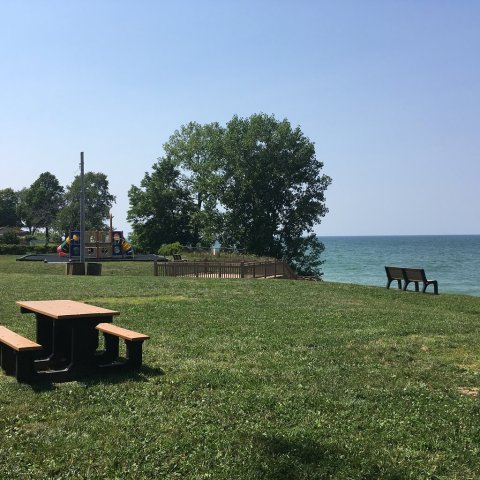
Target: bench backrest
{"type": "Point", "coordinates": [394, 273]}
{"type": "Point", "coordinates": [415, 274]}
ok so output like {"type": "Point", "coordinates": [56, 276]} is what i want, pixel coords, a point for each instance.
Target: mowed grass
{"type": "Point", "coordinates": [251, 379]}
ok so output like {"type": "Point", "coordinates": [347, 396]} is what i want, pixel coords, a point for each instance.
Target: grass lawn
{"type": "Point", "coordinates": [251, 379]}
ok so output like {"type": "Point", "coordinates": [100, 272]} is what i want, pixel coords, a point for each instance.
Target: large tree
{"type": "Point", "coordinates": [161, 208]}
{"type": "Point", "coordinates": [255, 184]}
{"type": "Point", "coordinates": [8, 208]}
{"type": "Point", "coordinates": [42, 202]}
{"type": "Point", "coordinates": [98, 202]}
{"type": "Point", "coordinates": [198, 151]}
{"type": "Point", "coordinates": [274, 190]}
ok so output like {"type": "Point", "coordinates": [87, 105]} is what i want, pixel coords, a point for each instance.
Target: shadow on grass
{"type": "Point", "coordinates": [121, 376]}
{"type": "Point", "coordinates": [303, 458]}
{"type": "Point", "coordinates": [108, 376]}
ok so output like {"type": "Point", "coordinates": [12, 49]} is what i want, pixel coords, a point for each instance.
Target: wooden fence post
{"type": "Point", "coordinates": [155, 268]}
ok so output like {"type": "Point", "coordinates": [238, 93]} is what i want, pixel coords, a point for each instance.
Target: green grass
{"type": "Point", "coordinates": [251, 379]}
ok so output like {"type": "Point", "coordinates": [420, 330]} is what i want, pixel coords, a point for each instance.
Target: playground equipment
{"type": "Point", "coordinates": [99, 244]}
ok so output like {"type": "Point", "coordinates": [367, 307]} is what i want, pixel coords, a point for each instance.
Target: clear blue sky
{"type": "Point", "coordinates": [389, 91]}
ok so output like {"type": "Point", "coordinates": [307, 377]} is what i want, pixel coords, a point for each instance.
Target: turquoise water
{"type": "Point", "coordinates": [453, 260]}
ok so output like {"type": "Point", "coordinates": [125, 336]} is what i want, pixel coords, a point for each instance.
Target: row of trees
{"type": "Point", "coordinates": [255, 184]}
{"type": "Point", "coordinates": [46, 204]}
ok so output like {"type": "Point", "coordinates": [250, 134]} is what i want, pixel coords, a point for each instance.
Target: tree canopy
{"type": "Point", "coordinates": [273, 188]}
{"type": "Point", "coordinates": [197, 150]}
{"type": "Point", "coordinates": [41, 202]}
{"type": "Point", "coordinates": [8, 208]}
{"type": "Point", "coordinates": [254, 184]}
{"type": "Point", "coordinates": [161, 208]}
{"type": "Point", "coordinates": [98, 202]}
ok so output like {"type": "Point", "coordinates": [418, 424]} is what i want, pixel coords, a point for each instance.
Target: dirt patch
{"type": "Point", "coordinates": [469, 391]}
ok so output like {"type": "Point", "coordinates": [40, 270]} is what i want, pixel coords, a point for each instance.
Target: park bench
{"type": "Point", "coordinates": [394, 273]}
{"type": "Point", "coordinates": [417, 275]}
{"type": "Point", "coordinates": [133, 342]}
{"type": "Point", "coordinates": [17, 354]}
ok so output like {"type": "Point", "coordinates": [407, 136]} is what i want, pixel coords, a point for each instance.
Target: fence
{"type": "Point", "coordinates": [222, 269]}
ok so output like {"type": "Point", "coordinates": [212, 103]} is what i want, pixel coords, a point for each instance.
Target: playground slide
{"type": "Point", "coordinates": [120, 245]}
{"type": "Point", "coordinates": [64, 249]}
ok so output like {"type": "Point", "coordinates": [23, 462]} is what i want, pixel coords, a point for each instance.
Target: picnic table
{"type": "Point", "coordinates": [66, 331]}
{"type": "Point", "coordinates": [67, 343]}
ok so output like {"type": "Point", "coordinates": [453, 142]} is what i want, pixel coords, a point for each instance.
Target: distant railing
{"type": "Point", "coordinates": [222, 269]}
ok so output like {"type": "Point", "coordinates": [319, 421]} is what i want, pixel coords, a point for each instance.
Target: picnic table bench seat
{"type": "Point", "coordinates": [133, 342]}
{"type": "Point", "coordinates": [17, 354]}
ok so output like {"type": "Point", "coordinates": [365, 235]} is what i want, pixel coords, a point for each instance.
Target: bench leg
{"type": "Point", "coordinates": [17, 364]}
{"type": "Point", "coordinates": [7, 360]}
{"type": "Point", "coordinates": [134, 353]}
{"type": "Point", "coordinates": [398, 281]}
{"type": "Point", "coordinates": [417, 289]}
{"type": "Point", "coordinates": [24, 366]}
{"type": "Point", "coordinates": [435, 286]}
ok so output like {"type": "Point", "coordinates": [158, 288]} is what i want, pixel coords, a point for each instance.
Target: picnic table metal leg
{"type": "Point", "coordinates": [111, 349]}
{"type": "Point", "coordinates": [61, 345]}
{"type": "Point", "coordinates": [84, 342]}
{"type": "Point", "coordinates": [44, 326]}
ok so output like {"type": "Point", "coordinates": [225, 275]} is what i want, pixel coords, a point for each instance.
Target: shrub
{"type": "Point", "coordinates": [13, 249]}
{"type": "Point", "coordinates": [16, 249]}
{"type": "Point", "coordinates": [10, 237]}
{"type": "Point", "coordinates": [170, 248]}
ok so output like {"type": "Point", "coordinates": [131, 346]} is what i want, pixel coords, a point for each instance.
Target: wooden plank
{"type": "Point", "coordinates": [61, 309]}
{"type": "Point", "coordinates": [16, 341]}
{"type": "Point", "coordinates": [121, 332]}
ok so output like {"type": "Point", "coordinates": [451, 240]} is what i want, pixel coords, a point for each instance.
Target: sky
{"type": "Point", "coordinates": [389, 92]}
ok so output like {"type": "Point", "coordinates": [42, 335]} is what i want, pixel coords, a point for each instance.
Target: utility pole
{"type": "Point", "coordinates": [82, 210]}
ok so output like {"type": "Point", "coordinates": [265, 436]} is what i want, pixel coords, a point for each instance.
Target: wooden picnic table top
{"type": "Point", "coordinates": [63, 309]}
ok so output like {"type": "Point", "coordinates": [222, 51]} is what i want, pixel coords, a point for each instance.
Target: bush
{"type": "Point", "coordinates": [13, 249]}
{"type": "Point", "coordinates": [16, 249]}
{"type": "Point", "coordinates": [170, 248]}
{"type": "Point", "coordinates": [10, 237]}
{"type": "Point", "coordinates": [44, 248]}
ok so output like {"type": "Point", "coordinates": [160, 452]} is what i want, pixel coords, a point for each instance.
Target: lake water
{"type": "Point", "coordinates": [453, 260]}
